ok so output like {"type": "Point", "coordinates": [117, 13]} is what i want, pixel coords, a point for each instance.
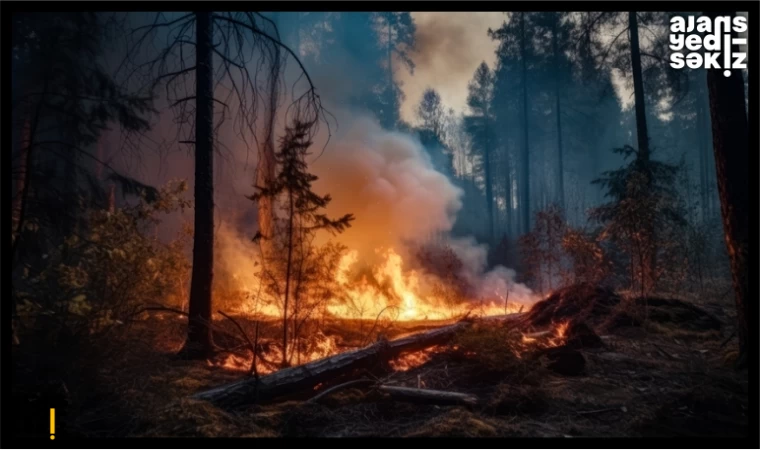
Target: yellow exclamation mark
{"type": "Point", "coordinates": [52, 423]}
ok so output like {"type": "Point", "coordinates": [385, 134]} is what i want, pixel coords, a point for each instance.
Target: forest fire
{"type": "Point", "coordinates": [401, 295]}
{"type": "Point", "coordinates": [265, 224]}
{"type": "Point", "coordinates": [386, 291]}
{"type": "Point", "coordinates": [269, 356]}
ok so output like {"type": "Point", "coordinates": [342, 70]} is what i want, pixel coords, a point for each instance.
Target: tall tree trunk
{"type": "Point", "coordinates": [100, 157]}
{"type": "Point", "coordinates": [291, 214]}
{"type": "Point", "coordinates": [638, 88]}
{"type": "Point", "coordinates": [525, 178]}
{"type": "Point", "coordinates": [649, 267]}
{"type": "Point", "coordinates": [199, 342]}
{"type": "Point", "coordinates": [489, 185]}
{"type": "Point", "coordinates": [557, 108]}
{"type": "Point", "coordinates": [508, 193]}
{"type": "Point", "coordinates": [390, 50]}
{"type": "Point", "coordinates": [731, 148]}
{"type": "Point", "coordinates": [26, 137]}
{"type": "Point", "coordinates": [70, 192]}
{"type": "Point", "coordinates": [712, 195]}
{"type": "Point", "coordinates": [111, 200]}
{"type": "Point", "coordinates": [19, 204]}
{"type": "Point", "coordinates": [265, 172]}
{"type": "Point", "coordinates": [28, 134]}
{"type": "Point", "coordinates": [702, 146]}
{"type": "Point", "coordinates": [28, 143]}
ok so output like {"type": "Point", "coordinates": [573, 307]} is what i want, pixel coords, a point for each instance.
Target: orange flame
{"type": "Point", "coordinates": [409, 361]}
{"type": "Point", "coordinates": [551, 338]}
{"type": "Point", "coordinates": [396, 293]}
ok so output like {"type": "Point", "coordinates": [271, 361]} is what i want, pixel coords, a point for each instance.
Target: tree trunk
{"type": "Point", "coordinates": [638, 88]}
{"type": "Point", "coordinates": [489, 184]}
{"type": "Point", "coordinates": [702, 146]}
{"type": "Point", "coordinates": [199, 343]}
{"type": "Point", "coordinates": [111, 200]}
{"type": "Point", "coordinates": [100, 158]}
{"type": "Point", "coordinates": [300, 378]}
{"type": "Point", "coordinates": [390, 50]}
{"type": "Point", "coordinates": [265, 172]}
{"type": "Point", "coordinates": [508, 193]}
{"type": "Point", "coordinates": [557, 108]}
{"type": "Point", "coordinates": [26, 138]}
{"type": "Point", "coordinates": [648, 270]}
{"type": "Point", "coordinates": [731, 148]}
{"type": "Point", "coordinates": [19, 204]}
{"type": "Point", "coordinates": [525, 179]}
{"type": "Point", "coordinates": [291, 213]}
{"type": "Point", "coordinates": [70, 194]}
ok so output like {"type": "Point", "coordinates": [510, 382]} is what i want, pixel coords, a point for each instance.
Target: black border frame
{"type": "Point", "coordinates": [7, 8]}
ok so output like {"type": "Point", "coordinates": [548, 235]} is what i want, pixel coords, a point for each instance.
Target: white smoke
{"type": "Point", "coordinates": [386, 179]}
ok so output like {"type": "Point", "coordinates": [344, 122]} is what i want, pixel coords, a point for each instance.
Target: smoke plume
{"type": "Point", "coordinates": [387, 180]}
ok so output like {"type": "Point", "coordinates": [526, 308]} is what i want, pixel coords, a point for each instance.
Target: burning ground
{"type": "Point", "coordinates": [583, 362]}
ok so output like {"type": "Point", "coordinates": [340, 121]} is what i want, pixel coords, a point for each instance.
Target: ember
{"type": "Point", "coordinates": [411, 360]}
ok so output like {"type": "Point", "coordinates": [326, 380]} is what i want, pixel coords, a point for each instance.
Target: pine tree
{"type": "Point", "coordinates": [480, 125]}
{"type": "Point", "coordinates": [303, 216]}
{"type": "Point", "coordinates": [64, 100]}
{"type": "Point", "coordinates": [642, 195]}
{"type": "Point", "coordinates": [434, 119]}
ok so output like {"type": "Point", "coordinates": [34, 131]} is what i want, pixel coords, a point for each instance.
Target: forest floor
{"type": "Point", "coordinates": [663, 378]}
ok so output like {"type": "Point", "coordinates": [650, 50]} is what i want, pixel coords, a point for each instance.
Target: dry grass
{"type": "Point", "coordinates": [659, 379]}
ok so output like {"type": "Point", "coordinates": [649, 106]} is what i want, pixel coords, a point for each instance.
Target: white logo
{"type": "Point", "coordinates": [713, 38]}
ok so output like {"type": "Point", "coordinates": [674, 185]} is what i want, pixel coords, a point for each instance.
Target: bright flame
{"type": "Point", "coordinates": [562, 329]}
{"type": "Point", "coordinates": [551, 338]}
{"type": "Point", "coordinates": [408, 296]}
{"type": "Point", "coordinates": [389, 290]}
{"type": "Point", "coordinates": [409, 361]}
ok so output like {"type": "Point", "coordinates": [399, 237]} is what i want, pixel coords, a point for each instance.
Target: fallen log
{"type": "Point", "coordinates": [304, 377]}
{"type": "Point", "coordinates": [428, 395]}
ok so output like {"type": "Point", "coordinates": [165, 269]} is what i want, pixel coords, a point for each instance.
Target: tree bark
{"type": "Point", "coordinates": [390, 50]}
{"type": "Point", "coordinates": [525, 184]}
{"type": "Point", "coordinates": [489, 182]}
{"type": "Point", "coordinates": [291, 214]}
{"type": "Point", "coordinates": [731, 147]}
{"type": "Point", "coordinates": [557, 108]}
{"type": "Point", "coordinates": [305, 377]}
{"type": "Point", "coordinates": [702, 146]}
{"type": "Point", "coordinates": [508, 193]}
{"type": "Point", "coordinates": [111, 200]}
{"type": "Point", "coordinates": [648, 269]}
{"type": "Point", "coordinates": [199, 343]}
{"type": "Point", "coordinates": [265, 172]}
{"type": "Point", "coordinates": [26, 138]}
{"type": "Point", "coordinates": [638, 88]}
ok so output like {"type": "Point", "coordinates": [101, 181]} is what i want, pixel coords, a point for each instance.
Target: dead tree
{"type": "Point", "coordinates": [245, 43]}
